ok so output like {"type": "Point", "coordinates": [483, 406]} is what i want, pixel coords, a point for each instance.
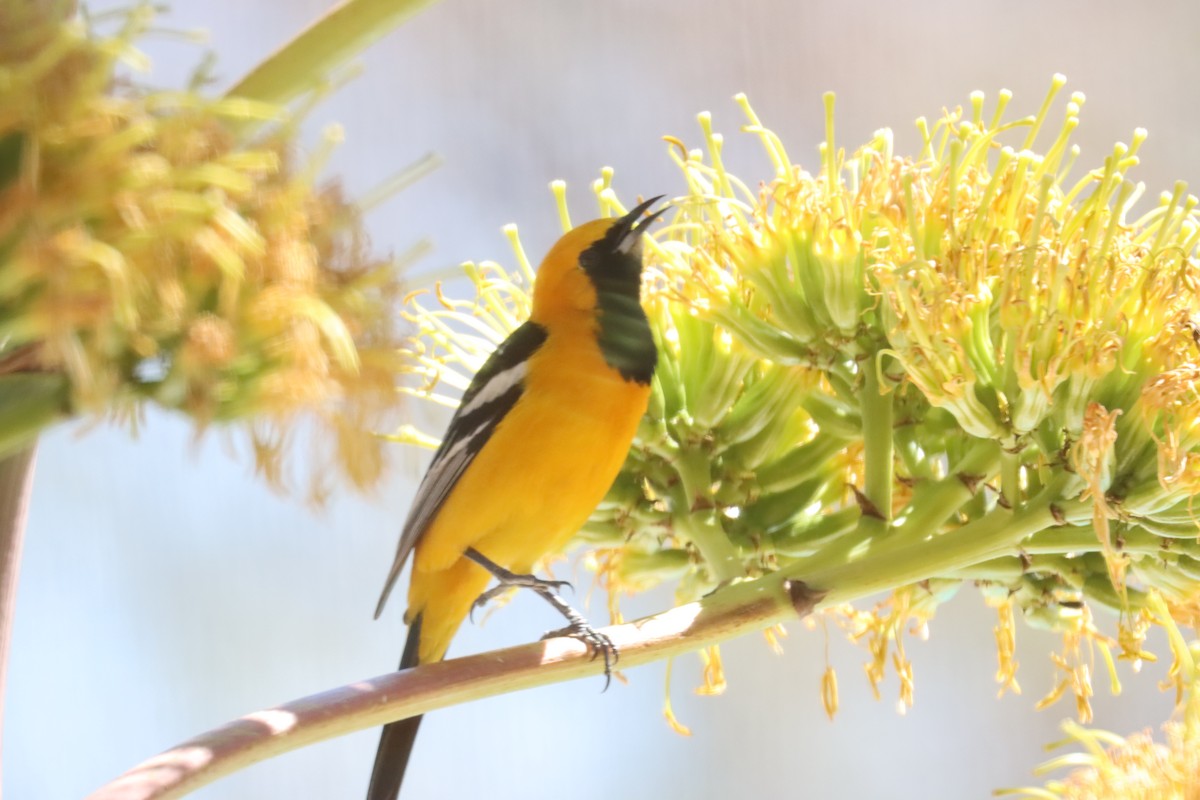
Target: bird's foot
{"type": "Point", "coordinates": [514, 580]}
{"type": "Point", "coordinates": [577, 627]}
{"type": "Point", "coordinates": [487, 597]}
{"type": "Point", "coordinates": [598, 643]}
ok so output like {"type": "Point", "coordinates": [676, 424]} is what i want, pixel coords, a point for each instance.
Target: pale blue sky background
{"type": "Point", "coordinates": [165, 591]}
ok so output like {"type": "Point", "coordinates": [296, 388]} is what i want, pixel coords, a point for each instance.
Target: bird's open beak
{"type": "Point", "coordinates": [633, 220]}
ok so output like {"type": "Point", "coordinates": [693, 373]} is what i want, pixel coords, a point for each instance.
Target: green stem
{"type": "Point", "coordinates": [878, 447]}
{"type": "Point", "coordinates": [999, 533]}
{"type": "Point", "coordinates": [700, 524]}
{"type": "Point", "coordinates": [1137, 542]}
{"type": "Point", "coordinates": [16, 481]}
{"type": "Point", "coordinates": [934, 503]}
{"type": "Point", "coordinates": [889, 563]}
{"type": "Point", "coordinates": [1007, 570]}
{"type": "Point", "coordinates": [1010, 478]}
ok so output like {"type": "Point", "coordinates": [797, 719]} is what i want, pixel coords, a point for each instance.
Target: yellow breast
{"type": "Point", "coordinates": [547, 465]}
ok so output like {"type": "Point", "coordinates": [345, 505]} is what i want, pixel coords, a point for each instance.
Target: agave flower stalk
{"type": "Point", "coordinates": [964, 366]}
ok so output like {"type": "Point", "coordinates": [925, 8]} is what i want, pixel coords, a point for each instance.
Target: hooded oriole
{"type": "Point", "coordinates": [537, 440]}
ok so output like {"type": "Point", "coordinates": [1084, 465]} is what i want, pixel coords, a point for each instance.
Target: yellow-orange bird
{"type": "Point", "coordinates": [538, 438]}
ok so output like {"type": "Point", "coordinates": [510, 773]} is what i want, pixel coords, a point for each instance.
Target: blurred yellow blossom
{"type": "Point", "coordinates": [153, 252]}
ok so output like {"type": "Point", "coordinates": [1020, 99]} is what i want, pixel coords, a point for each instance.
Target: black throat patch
{"type": "Point", "coordinates": [614, 266]}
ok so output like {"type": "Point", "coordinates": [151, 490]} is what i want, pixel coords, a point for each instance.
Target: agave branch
{"type": "Point", "coordinates": [737, 609]}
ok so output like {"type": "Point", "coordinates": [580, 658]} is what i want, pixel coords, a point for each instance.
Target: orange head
{"type": "Point", "coordinates": [603, 255]}
{"type": "Point", "coordinates": [590, 284]}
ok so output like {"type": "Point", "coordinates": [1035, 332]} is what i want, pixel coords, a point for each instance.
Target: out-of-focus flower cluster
{"type": "Point", "coordinates": [967, 358]}
{"type": "Point", "coordinates": [162, 246]}
{"type": "Point", "coordinates": [1136, 767]}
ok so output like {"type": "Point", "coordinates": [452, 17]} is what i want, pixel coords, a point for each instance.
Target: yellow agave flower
{"type": "Point", "coordinates": [966, 351]}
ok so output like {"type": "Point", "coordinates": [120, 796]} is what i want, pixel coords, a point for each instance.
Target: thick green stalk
{"type": "Point", "coordinates": [996, 534]}
{"type": "Point", "coordinates": [878, 446]}
{"type": "Point", "coordinates": [1083, 539]}
{"type": "Point", "coordinates": [698, 521]}
{"type": "Point", "coordinates": [892, 562]}
{"type": "Point", "coordinates": [1010, 478]}
{"type": "Point", "coordinates": [16, 481]}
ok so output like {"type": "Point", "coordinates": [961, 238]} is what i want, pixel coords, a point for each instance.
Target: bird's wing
{"type": "Point", "coordinates": [493, 392]}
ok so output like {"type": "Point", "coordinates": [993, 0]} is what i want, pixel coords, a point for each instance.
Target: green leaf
{"type": "Point", "coordinates": [12, 146]}
{"type": "Point", "coordinates": [346, 30]}
{"type": "Point", "coordinates": [29, 402]}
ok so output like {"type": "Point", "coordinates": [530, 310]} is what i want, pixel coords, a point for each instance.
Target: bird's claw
{"type": "Point", "coordinates": [544, 585]}
{"type": "Point", "coordinates": [485, 598]}
{"type": "Point", "coordinates": [598, 645]}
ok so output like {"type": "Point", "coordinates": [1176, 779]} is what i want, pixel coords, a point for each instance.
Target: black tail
{"type": "Point", "coordinates": [396, 742]}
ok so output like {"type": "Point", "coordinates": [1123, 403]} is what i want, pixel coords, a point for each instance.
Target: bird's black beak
{"type": "Point", "coordinates": [625, 235]}
{"type": "Point", "coordinates": [633, 220]}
